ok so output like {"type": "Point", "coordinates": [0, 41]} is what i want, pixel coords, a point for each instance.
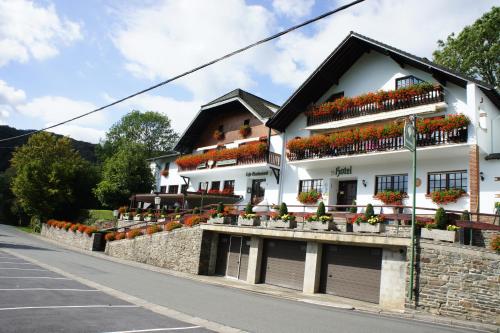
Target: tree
{"type": "Point", "coordinates": [124, 173]}
{"type": "Point", "coordinates": [49, 174]}
{"type": "Point", "coordinates": [150, 129]}
{"type": "Point", "coordinates": [476, 49]}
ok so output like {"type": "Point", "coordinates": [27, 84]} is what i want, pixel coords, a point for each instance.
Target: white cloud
{"type": "Point", "coordinates": [29, 30]}
{"type": "Point", "coordinates": [174, 36]}
{"type": "Point", "coordinates": [293, 8]}
{"type": "Point", "coordinates": [10, 95]}
{"type": "Point", "coordinates": [82, 133]}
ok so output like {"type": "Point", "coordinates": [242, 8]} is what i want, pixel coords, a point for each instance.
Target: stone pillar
{"type": "Point", "coordinates": [254, 260]}
{"type": "Point", "coordinates": [474, 179]}
{"type": "Point", "coordinates": [212, 261]}
{"type": "Point", "coordinates": [393, 279]}
{"type": "Point", "coordinates": [312, 267]}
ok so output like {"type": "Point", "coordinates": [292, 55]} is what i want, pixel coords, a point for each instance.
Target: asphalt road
{"type": "Point", "coordinates": [232, 307]}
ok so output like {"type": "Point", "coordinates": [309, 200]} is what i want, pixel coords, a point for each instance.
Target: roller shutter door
{"type": "Point", "coordinates": [352, 272]}
{"type": "Point", "coordinates": [222, 252]}
{"type": "Point", "coordinates": [237, 263]}
{"type": "Point", "coordinates": [283, 263]}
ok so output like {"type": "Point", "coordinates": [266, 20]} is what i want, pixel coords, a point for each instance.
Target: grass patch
{"type": "Point", "coordinates": [101, 214]}
{"type": "Point", "coordinates": [25, 229]}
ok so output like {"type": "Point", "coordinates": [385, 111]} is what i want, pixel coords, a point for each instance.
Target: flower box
{"type": "Point", "coordinates": [318, 225]}
{"type": "Point", "coordinates": [367, 227]}
{"type": "Point", "coordinates": [162, 219]}
{"type": "Point", "coordinates": [439, 235]}
{"type": "Point", "coordinates": [138, 218]}
{"type": "Point", "coordinates": [219, 220]}
{"type": "Point", "coordinates": [283, 224]}
{"type": "Point", "coordinates": [252, 222]}
{"type": "Point", "coordinates": [149, 219]}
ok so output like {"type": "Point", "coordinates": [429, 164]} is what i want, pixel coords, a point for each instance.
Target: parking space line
{"type": "Point", "coordinates": [69, 307]}
{"type": "Point", "coordinates": [25, 269]}
{"type": "Point", "coordinates": [34, 277]}
{"type": "Point", "coordinates": [16, 263]}
{"type": "Point", "coordinates": [158, 329]}
{"type": "Point", "coordinates": [48, 289]}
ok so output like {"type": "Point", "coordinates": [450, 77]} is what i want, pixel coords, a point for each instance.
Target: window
{"type": "Point", "coordinates": [184, 188]}
{"type": "Point", "coordinates": [215, 185]}
{"type": "Point", "coordinates": [173, 189]}
{"type": "Point", "coordinates": [163, 189]}
{"type": "Point", "coordinates": [407, 81]}
{"type": "Point", "coordinates": [246, 122]}
{"type": "Point", "coordinates": [335, 96]}
{"type": "Point", "coordinates": [201, 186]}
{"type": "Point", "coordinates": [229, 185]}
{"type": "Point", "coordinates": [437, 181]}
{"type": "Point", "coordinates": [391, 183]}
{"type": "Point", "coordinates": [311, 184]}
{"type": "Point", "coordinates": [167, 166]}
{"type": "Point", "coordinates": [221, 128]}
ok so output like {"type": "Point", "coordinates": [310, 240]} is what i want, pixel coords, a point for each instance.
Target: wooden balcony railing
{"type": "Point", "coordinates": [384, 144]}
{"type": "Point", "coordinates": [268, 157]}
{"type": "Point", "coordinates": [430, 97]}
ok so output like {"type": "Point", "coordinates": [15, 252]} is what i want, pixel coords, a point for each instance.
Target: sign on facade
{"type": "Point", "coordinates": [409, 136]}
{"type": "Point", "coordinates": [340, 171]}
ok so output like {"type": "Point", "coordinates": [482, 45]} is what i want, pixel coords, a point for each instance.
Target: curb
{"type": "Point", "coordinates": [404, 314]}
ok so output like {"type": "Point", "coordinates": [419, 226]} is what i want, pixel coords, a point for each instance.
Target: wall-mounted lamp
{"type": "Point", "coordinates": [481, 175]}
{"type": "Point", "coordinates": [363, 182]}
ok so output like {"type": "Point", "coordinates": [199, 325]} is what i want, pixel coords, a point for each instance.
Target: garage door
{"type": "Point", "coordinates": [351, 271]}
{"type": "Point", "coordinates": [283, 263]}
{"type": "Point", "coordinates": [232, 256]}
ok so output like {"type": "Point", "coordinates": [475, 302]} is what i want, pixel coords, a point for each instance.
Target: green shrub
{"type": "Point", "coordinates": [465, 215]}
{"type": "Point", "coordinates": [35, 224]}
{"type": "Point", "coordinates": [177, 209]}
{"type": "Point", "coordinates": [283, 209]}
{"type": "Point", "coordinates": [369, 211]}
{"type": "Point", "coordinates": [440, 219]}
{"type": "Point", "coordinates": [138, 211]}
{"type": "Point", "coordinates": [196, 210]}
{"type": "Point", "coordinates": [220, 208]}
{"type": "Point", "coordinates": [321, 209]}
{"type": "Point", "coordinates": [248, 208]}
{"type": "Point", "coordinates": [353, 208]}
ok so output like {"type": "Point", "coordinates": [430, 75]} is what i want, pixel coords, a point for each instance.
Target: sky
{"type": "Point", "coordinates": [61, 58]}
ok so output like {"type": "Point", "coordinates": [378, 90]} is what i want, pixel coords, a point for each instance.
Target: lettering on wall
{"type": "Point", "coordinates": [341, 171]}
{"type": "Point", "coordinates": [259, 173]}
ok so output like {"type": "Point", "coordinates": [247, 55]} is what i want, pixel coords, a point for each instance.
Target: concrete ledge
{"type": "Point", "coordinates": [331, 237]}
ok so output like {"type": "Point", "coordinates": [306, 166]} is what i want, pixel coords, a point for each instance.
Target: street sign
{"type": "Point", "coordinates": [409, 136]}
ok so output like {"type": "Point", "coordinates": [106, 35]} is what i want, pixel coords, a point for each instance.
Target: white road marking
{"type": "Point", "coordinates": [25, 269]}
{"type": "Point", "coordinates": [158, 329]}
{"type": "Point", "coordinates": [16, 263]}
{"type": "Point", "coordinates": [48, 289]}
{"type": "Point", "coordinates": [69, 307]}
{"type": "Point", "coordinates": [34, 277]}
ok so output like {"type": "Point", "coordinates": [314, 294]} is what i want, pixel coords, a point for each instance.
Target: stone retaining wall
{"type": "Point", "coordinates": [183, 250]}
{"type": "Point", "coordinates": [458, 281]}
{"type": "Point", "coordinates": [75, 239]}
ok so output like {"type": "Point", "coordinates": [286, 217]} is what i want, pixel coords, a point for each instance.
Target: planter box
{"type": "Point", "coordinates": [138, 218]}
{"type": "Point", "coordinates": [253, 222]}
{"type": "Point", "coordinates": [283, 224]}
{"type": "Point", "coordinates": [162, 219]}
{"type": "Point", "coordinates": [317, 225]}
{"type": "Point", "coordinates": [367, 227]}
{"type": "Point", "coordinates": [149, 219]}
{"type": "Point", "coordinates": [439, 235]}
{"type": "Point", "coordinates": [219, 220]}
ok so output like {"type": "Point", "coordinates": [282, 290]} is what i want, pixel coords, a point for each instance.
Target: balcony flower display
{"type": "Point", "coordinates": [320, 220]}
{"type": "Point", "coordinates": [245, 130]}
{"type": "Point", "coordinates": [380, 100]}
{"type": "Point", "coordinates": [391, 197]}
{"type": "Point", "coordinates": [250, 150]}
{"type": "Point", "coordinates": [164, 172]}
{"type": "Point", "coordinates": [310, 197]}
{"type": "Point", "coordinates": [443, 197]}
{"type": "Point", "coordinates": [218, 135]}
{"type": "Point", "coordinates": [439, 229]}
{"type": "Point", "coordinates": [283, 219]}
{"type": "Point", "coordinates": [219, 215]}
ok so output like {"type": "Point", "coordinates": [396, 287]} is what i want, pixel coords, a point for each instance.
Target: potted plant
{"type": "Point", "coordinates": [320, 220]}
{"type": "Point", "coordinates": [219, 216]}
{"type": "Point", "coordinates": [391, 198]}
{"type": "Point", "coordinates": [440, 230]}
{"type": "Point", "coordinates": [283, 219]}
{"type": "Point", "coordinates": [245, 130]}
{"type": "Point", "coordinates": [138, 215]}
{"type": "Point", "coordinates": [163, 215]}
{"type": "Point", "coordinates": [249, 218]}
{"type": "Point", "coordinates": [149, 215]}
{"type": "Point", "coordinates": [444, 197]}
{"type": "Point", "coordinates": [367, 221]}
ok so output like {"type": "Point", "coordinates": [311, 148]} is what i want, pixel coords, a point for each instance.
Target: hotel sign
{"type": "Point", "coordinates": [341, 171]}
{"type": "Point", "coordinates": [255, 174]}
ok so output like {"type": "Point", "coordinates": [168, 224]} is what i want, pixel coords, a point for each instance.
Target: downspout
{"type": "Point", "coordinates": [282, 167]}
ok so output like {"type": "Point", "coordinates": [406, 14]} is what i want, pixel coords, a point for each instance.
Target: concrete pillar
{"type": "Point", "coordinates": [212, 261]}
{"type": "Point", "coordinates": [254, 260]}
{"type": "Point", "coordinates": [312, 267]}
{"type": "Point", "coordinates": [393, 279]}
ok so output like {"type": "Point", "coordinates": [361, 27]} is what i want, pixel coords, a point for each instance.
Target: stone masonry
{"type": "Point", "coordinates": [458, 281]}
{"type": "Point", "coordinates": [183, 250]}
{"type": "Point", "coordinates": [75, 239]}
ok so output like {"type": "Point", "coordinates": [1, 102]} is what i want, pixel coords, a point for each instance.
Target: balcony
{"type": "Point", "coordinates": [376, 103]}
{"type": "Point", "coordinates": [391, 144]}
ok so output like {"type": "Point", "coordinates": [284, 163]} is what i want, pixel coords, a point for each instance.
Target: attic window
{"type": "Point", "coordinates": [407, 81]}
{"type": "Point", "coordinates": [221, 128]}
{"type": "Point", "coordinates": [246, 122]}
{"type": "Point", "coordinates": [335, 96]}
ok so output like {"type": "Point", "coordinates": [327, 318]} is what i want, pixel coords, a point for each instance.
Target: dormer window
{"type": "Point", "coordinates": [407, 81]}
{"type": "Point", "coordinates": [221, 128]}
{"type": "Point", "coordinates": [246, 122]}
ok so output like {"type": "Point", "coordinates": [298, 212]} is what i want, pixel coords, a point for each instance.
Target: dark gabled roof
{"type": "Point", "coordinates": [170, 153]}
{"type": "Point", "coordinates": [258, 104]}
{"type": "Point", "coordinates": [343, 57]}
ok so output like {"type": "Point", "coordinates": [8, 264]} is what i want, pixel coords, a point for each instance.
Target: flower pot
{"type": "Point", "coordinates": [439, 235]}
{"type": "Point", "coordinates": [283, 224]}
{"type": "Point", "coordinates": [252, 222]}
{"type": "Point", "coordinates": [318, 225]}
{"type": "Point", "coordinates": [367, 227]}
{"type": "Point", "coordinates": [149, 219]}
{"type": "Point", "coordinates": [219, 220]}
{"type": "Point", "coordinates": [138, 218]}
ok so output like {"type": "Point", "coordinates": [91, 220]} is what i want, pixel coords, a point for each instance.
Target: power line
{"type": "Point", "coordinates": [262, 41]}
